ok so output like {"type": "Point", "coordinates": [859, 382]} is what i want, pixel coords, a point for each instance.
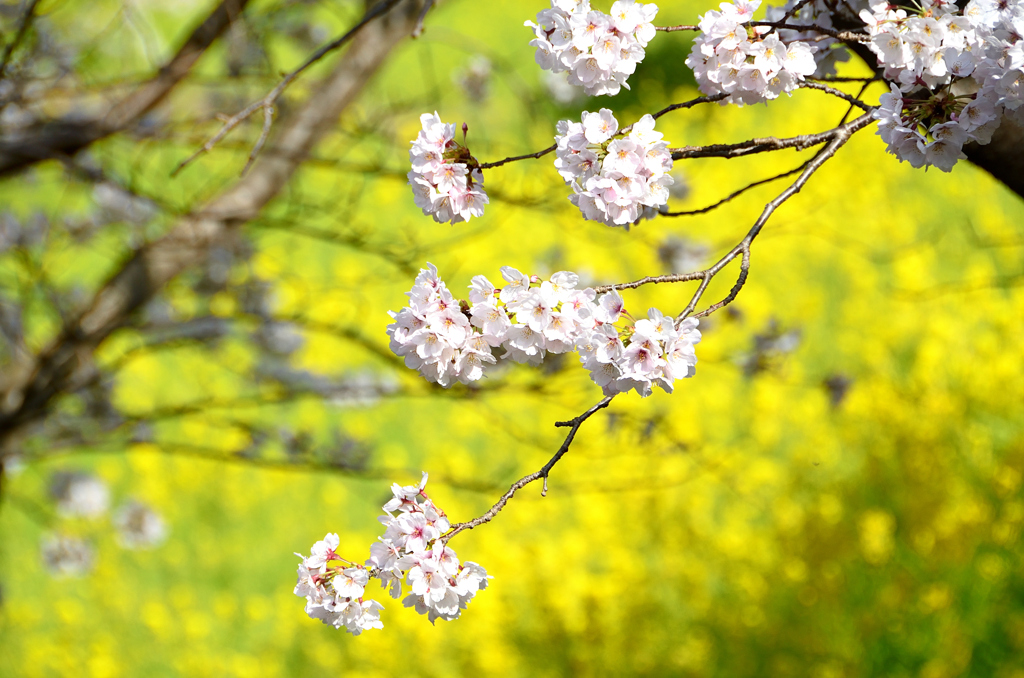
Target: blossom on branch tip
{"type": "Point", "coordinates": [446, 180]}
{"type": "Point", "coordinates": [410, 550]}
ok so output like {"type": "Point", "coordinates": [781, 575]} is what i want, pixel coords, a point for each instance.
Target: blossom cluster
{"type": "Point", "coordinates": [451, 340]}
{"type": "Point", "coordinates": [598, 50]}
{"type": "Point", "coordinates": [410, 550]}
{"type": "Point", "coordinates": [749, 63]}
{"type": "Point", "coordinates": [655, 351]}
{"type": "Point", "coordinates": [953, 75]}
{"type": "Point", "coordinates": [446, 181]}
{"type": "Point", "coordinates": [613, 179]}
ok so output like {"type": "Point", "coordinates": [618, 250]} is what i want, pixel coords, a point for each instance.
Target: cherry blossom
{"type": "Point", "coordinates": [613, 178]}
{"type": "Point", "coordinates": [446, 182]}
{"type": "Point", "coordinates": [411, 550]}
{"type": "Point", "coordinates": [599, 51]}
{"type": "Point", "coordinates": [749, 63]}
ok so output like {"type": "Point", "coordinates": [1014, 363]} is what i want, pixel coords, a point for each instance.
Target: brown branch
{"type": "Point", "coordinates": [836, 138]}
{"type": "Point", "coordinates": [796, 8]}
{"type": "Point", "coordinates": [625, 130]}
{"type": "Point", "coordinates": [26, 21]}
{"type": "Point", "coordinates": [65, 137]}
{"type": "Point", "coordinates": [499, 163]}
{"type": "Point", "coordinates": [849, 98]}
{"type": "Point", "coordinates": [764, 144]}
{"type": "Point", "coordinates": [266, 104]}
{"type": "Point", "coordinates": [673, 29]}
{"type": "Point", "coordinates": [573, 425]}
{"type": "Point", "coordinates": [417, 31]}
{"type": "Point", "coordinates": [31, 387]}
{"type": "Point", "coordinates": [840, 136]}
{"type": "Point", "coordinates": [843, 36]}
{"type": "Point", "coordinates": [686, 104]}
{"type": "Point", "coordinates": [734, 194]}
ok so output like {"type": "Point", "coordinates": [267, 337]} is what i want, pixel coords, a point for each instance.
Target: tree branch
{"type": "Point", "coordinates": [31, 386]}
{"type": "Point", "coordinates": [26, 21]}
{"type": "Point", "coordinates": [266, 104]}
{"type": "Point", "coordinates": [60, 138]}
{"type": "Point", "coordinates": [734, 194]}
{"type": "Point", "coordinates": [573, 425]}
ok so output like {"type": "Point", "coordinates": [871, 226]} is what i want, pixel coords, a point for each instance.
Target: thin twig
{"type": "Point", "coordinates": [673, 29]}
{"type": "Point", "coordinates": [267, 102]}
{"type": "Point", "coordinates": [418, 30]}
{"type": "Point", "coordinates": [762, 145]}
{"type": "Point", "coordinates": [836, 138]}
{"type": "Point", "coordinates": [686, 104]}
{"type": "Point", "coordinates": [625, 130]}
{"type": "Point", "coordinates": [849, 98]}
{"type": "Point", "coordinates": [844, 79]}
{"type": "Point", "coordinates": [796, 8]}
{"type": "Point", "coordinates": [844, 36]}
{"type": "Point", "coordinates": [499, 163]}
{"type": "Point", "coordinates": [863, 88]}
{"type": "Point", "coordinates": [26, 21]}
{"type": "Point", "coordinates": [573, 425]}
{"type": "Point", "coordinates": [734, 194]}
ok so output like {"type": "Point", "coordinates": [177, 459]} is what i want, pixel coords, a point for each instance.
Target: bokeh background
{"type": "Point", "coordinates": [837, 493]}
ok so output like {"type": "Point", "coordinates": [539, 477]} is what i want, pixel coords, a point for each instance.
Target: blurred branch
{"type": "Point", "coordinates": [30, 386]}
{"type": "Point", "coordinates": [60, 138]}
{"type": "Point", "coordinates": [266, 104]}
{"type": "Point", "coordinates": [26, 21]}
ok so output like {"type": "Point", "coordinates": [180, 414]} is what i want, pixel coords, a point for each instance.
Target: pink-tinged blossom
{"type": "Point", "coordinates": [323, 551]}
{"type": "Point", "coordinates": [350, 582]}
{"type": "Point", "coordinates": [613, 178]}
{"type": "Point", "coordinates": [445, 179]}
{"type": "Point", "coordinates": [410, 550]}
{"type": "Point", "coordinates": [609, 307]}
{"type": "Point", "coordinates": [599, 51]}
{"type": "Point", "coordinates": [654, 351]}
{"type": "Point", "coordinates": [925, 52]}
{"type": "Point", "coordinates": [749, 66]}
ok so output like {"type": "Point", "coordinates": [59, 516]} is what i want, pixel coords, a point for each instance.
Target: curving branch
{"type": "Point", "coordinates": [573, 425]}
{"type": "Point", "coordinates": [835, 138]}
{"type": "Point", "coordinates": [735, 194]}
{"type": "Point", "coordinates": [839, 137]}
